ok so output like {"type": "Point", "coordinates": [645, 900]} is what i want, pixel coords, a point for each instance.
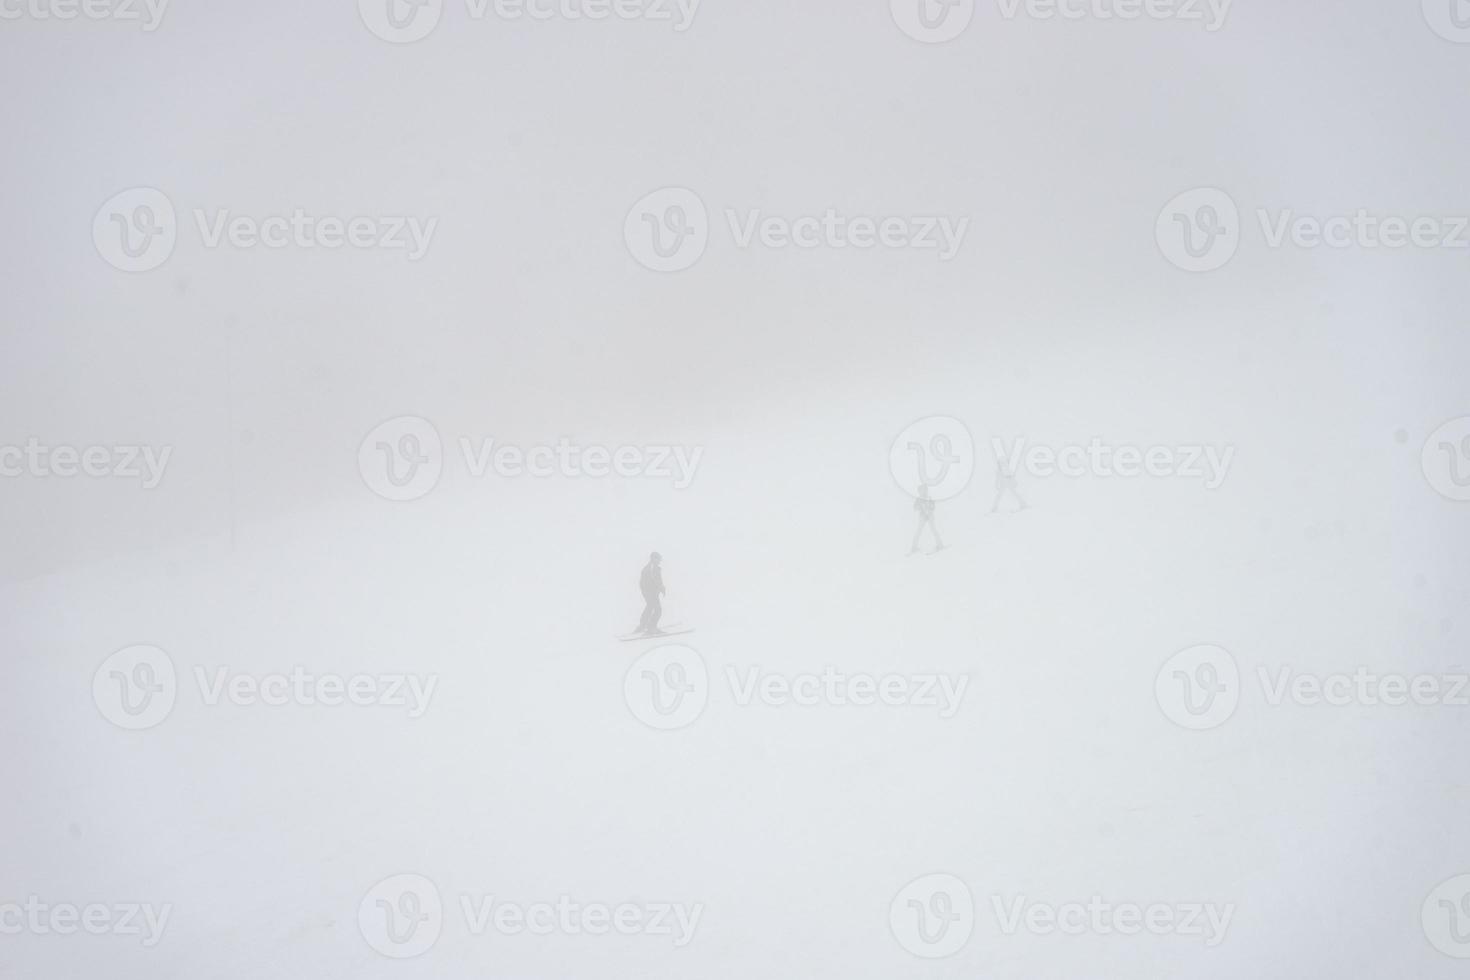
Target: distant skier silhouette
{"type": "Point", "coordinates": [651, 584]}
{"type": "Point", "coordinates": [1005, 482]}
{"type": "Point", "coordinates": [924, 507]}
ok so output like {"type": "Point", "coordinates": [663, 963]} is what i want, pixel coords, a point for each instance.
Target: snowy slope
{"type": "Point", "coordinates": [529, 777]}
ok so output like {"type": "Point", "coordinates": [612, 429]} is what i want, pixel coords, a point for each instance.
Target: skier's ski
{"type": "Point", "coordinates": [673, 629]}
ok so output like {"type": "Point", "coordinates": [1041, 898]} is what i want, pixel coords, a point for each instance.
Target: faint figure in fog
{"type": "Point", "coordinates": [924, 507]}
{"type": "Point", "coordinates": [1005, 483]}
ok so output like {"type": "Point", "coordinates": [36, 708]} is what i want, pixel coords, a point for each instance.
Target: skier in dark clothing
{"type": "Point", "coordinates": [651, 584]}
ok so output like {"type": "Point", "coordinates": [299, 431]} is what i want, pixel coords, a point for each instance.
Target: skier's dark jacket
{"type": "Point", "coordinates": [651, 581]}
